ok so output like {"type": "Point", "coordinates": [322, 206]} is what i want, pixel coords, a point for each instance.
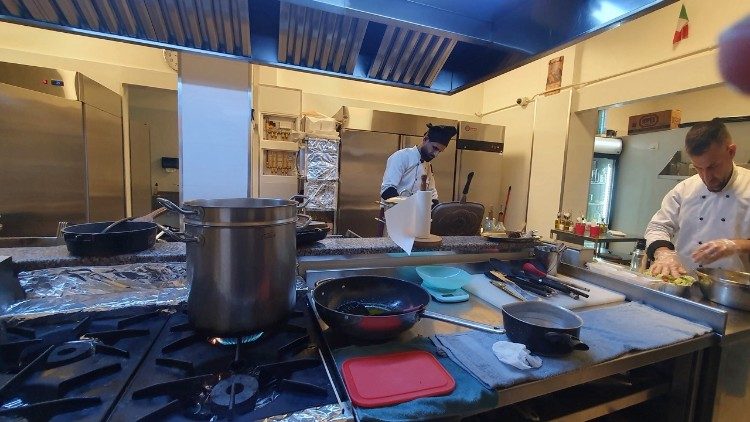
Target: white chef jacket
{"type": "Point", "coordinates": [693, 215]}
{"type": "Point", "coordinates": [404, 171]}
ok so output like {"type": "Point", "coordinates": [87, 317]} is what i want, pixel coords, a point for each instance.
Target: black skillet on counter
{"type": "Point", "coordinates": [312, 233]}
{"type": "Point", "coordinates": [545, 329]}
{"type": "Point", "coordinates": [378, 308]}
{"type": "Point", "coordinates": [126, 237]}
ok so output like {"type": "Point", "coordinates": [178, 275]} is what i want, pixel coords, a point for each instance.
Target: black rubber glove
{"type": "Point", "coordinates": [389, 193]}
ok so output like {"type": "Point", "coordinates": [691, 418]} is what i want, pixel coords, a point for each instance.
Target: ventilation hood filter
{"type": "Point", "coordinates": [441, 46]}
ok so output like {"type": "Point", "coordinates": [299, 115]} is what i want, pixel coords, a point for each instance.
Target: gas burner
{"type": "Point", "coordinates": [233, 341]}
{"type": "Point", "coordinates": [70, 352]}
{"type": "Point", "coordinates": [235, 393]}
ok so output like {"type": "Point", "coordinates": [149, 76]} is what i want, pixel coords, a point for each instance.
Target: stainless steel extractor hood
{"type": "Point", "coordinates": [441, 46]}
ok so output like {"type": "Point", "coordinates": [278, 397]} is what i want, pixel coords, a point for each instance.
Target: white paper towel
{"type": "Point", "coordinates": [399, 221]}
{"type": "Point", "coordinates": [422, 213]}
{"type": "Point", "coordinates": [409, 219]}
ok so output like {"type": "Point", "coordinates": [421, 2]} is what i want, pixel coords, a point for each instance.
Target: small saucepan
{"type": "Point", "coordinates": [378, 308]}
{"type": "Point", "coordinates": [545, 329]}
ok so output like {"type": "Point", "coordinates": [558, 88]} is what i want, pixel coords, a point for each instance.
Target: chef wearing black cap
{"type": "Point", "coordinates": [405, 167]}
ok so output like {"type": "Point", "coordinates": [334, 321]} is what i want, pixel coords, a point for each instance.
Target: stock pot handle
{"type": "Point", "coordinates": [179, 236]}
{"type": "Point", "coordinates": [166, 203]}
{"type": "Point", "coordinates": [304, 199]}
{"type": "Point", "coordinates": [306, 221]}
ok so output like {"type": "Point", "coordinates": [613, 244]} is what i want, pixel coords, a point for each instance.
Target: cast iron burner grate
{"type": "Point", "coordinates": [193, 376]}
{"type": "Point", "coordinates": [71, 365]}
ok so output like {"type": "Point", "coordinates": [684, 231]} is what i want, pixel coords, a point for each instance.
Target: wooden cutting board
{"type": "Point", "coordinates": [481, 287]}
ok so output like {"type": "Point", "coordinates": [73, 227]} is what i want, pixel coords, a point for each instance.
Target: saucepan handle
{"type": "Point", "coordinates": [180, 236]}
{"type": "Point", "coordinates": [305, 200]}
{"type": "Point", "coordinates": [166, 203]}
{"type": "Point", "coordinates": [570, 340]}
{"type": "Point", "coordinates": [462, 322]}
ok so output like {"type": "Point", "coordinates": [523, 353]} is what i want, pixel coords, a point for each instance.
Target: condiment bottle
{"type": "Point", "coordinates": [487, 224]}
{"type": "Point", "coordinates": [638, 260]}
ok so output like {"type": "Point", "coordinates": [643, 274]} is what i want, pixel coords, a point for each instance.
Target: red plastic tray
{"type": "Point", "coordinates": [384, 380]}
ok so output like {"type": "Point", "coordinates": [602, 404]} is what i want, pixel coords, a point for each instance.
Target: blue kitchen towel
{"type": "Point", "coordinates": [469, 397]}
{"type": "Point", "coordinates": [610, 332]}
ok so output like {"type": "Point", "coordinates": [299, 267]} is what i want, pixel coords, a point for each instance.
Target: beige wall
{"type": "Point", "coordinates": [540, 131]}
{"type": "Point", "coordinates": [108, 62]}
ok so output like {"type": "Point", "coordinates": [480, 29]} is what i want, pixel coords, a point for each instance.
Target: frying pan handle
{"type": "Point", "coordinates": [572, 341]}
{"type": "Point", "coordinates": [462, 322]}
{"type": "Point", "coordinates": [166, 203]}
{"type": "Point", "coordinates": [468, 182]}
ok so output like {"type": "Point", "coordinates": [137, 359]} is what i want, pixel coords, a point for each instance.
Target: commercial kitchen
{"type": "Point", "coordinates": [195, 218]}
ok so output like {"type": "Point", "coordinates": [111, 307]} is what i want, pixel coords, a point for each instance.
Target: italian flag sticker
{"type": "Point", "coordinates": [682, 26]}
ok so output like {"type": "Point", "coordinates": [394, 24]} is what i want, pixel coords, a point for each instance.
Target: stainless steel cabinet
{"type": "Point", "coordinates": [61, 150]}
{"type": "Point", "coordinates": [363, 159]}
{"type": "Point", "coordinates": [42, 170]}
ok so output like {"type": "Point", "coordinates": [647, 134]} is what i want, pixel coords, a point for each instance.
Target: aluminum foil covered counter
{"type": "Point", "coordinates": [321, 173]}
{"type": "Point", "coordinates": [72, 289]}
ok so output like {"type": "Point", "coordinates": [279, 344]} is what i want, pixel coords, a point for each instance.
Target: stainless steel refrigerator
{"type": "Point", "coordinates": [368, 138]}
{"type": "Point", "coordinates": [61, 150]}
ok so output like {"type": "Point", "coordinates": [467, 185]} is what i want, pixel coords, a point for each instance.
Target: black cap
{"type": "Point", "coordinates": [641, 244]}
{"type": "Point", "coordinates": [441, 134]}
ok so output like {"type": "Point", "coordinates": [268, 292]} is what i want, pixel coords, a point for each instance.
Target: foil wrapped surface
{"type": "Point", "coordinates": [72, 289]}
{"type": "Point", "coordinates": [322, 159]}
{"type": "Point", "coordinates": [328, 413]}
{"type": "Point", "coordinates": [322, 195]}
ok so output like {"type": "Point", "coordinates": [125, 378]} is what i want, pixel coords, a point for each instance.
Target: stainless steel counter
{"type": "Point", "coordinates": [688, 355]}
{"type": "Point", "coordinates": [724, 393]}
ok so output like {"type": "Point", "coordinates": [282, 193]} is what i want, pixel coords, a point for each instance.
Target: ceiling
{"type": "Point", "coordinates": [441, 46]}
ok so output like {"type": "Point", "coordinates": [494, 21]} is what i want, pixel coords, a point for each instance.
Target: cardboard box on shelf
{"type": "Point", "coordinates": [314, 124]}
{"type": "Point", "coordinates": [651, 122]}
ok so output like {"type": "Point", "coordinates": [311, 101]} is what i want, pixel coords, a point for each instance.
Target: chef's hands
{"type": "Point", "coordinates": [714, 250]}
{"type": "Point", "coordinates": [666, 262]}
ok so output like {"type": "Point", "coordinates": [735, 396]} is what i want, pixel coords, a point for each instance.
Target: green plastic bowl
{"type": "Point", "coordinates": [441, 278]}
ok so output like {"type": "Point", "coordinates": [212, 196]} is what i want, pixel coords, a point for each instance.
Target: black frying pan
{"type": "Point", "coordinates": [545, 329]}
{"type": "Point", "coordinates": [377, 308]}
{"type": "Point", "coordinates": [458, 218]}
{"type": "Point", "coordinates": [126, 237]}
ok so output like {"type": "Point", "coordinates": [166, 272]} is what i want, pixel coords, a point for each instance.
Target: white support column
{"type": "Point", "coordinates": [214, 100]}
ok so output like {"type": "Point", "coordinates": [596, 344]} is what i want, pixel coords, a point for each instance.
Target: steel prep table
{"type": "Point", "coordinates": [691, 358]}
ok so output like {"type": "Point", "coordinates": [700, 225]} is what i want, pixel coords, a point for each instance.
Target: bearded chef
{"type": "Point", "coordinates": [405, 167]}
{"type": "Point", "coordinates": [704, 221]}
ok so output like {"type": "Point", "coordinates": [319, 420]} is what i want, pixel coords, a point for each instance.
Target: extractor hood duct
{"type": "Point", "coordinates": [441, 46]}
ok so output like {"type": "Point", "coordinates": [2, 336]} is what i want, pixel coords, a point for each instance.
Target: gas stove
{"type": "Point", "coordinates": [148, 364]}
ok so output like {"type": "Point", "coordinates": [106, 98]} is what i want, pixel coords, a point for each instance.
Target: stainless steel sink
{"type": "Point", "coordinates": [30, 242]}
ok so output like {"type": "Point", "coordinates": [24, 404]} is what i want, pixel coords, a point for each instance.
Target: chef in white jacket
{"type": "Point", "coordinates": [705, 219]}
{"type": "Point", "coordinates": [405, 167]}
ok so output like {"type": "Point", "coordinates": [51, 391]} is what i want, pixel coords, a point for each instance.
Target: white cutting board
{"type": "Point", "coordinates": [481, 287]}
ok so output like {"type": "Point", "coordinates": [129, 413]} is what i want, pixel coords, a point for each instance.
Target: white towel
{"type": "Point", "coordinates": [516, 354]}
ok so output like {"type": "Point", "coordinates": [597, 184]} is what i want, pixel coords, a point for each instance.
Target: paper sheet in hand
{"type": "Point", "coordinates": [400, 222]}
